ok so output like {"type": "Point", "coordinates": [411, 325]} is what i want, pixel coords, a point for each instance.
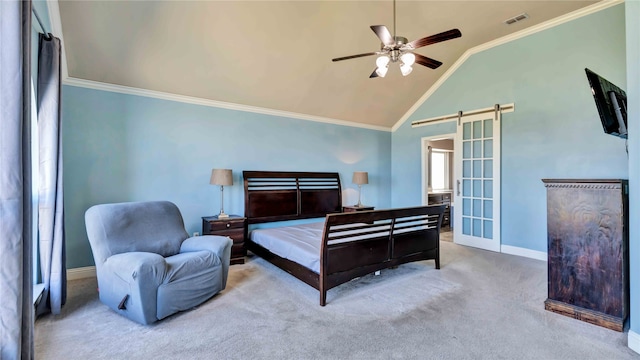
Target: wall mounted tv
{"type": "Point", "coordinates": [611, 102]}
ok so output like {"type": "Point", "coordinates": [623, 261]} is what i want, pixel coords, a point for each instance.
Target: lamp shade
{"type": "Point", "coordinates": [221, 177]}
{"type": "Point", "coordinates": [360, 177]}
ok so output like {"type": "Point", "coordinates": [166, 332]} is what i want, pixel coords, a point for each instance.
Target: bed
{"type": "Point", "coordinates": [343, 247]}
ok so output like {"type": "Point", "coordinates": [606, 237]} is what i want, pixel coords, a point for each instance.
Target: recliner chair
{"type": "Point", "coordinates": [147, 265]}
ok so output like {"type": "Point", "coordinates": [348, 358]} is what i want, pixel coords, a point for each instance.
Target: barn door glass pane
{"type": "Point", "coordinates": [477, 178]}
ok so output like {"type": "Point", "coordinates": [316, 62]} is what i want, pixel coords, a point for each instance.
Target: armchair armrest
{"type": "Point", "coordinates": [136, 274]}
{"type": "Point", "coordinates": [219, 245]}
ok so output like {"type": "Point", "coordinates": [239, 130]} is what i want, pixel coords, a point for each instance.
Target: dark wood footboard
{"type": "Point", "coordinates": [353, 244]}
{"type": "Point", "coordinates": [357, 244]}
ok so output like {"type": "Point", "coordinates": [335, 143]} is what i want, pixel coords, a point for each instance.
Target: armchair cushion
{"type": "Point", "coordinates": [191, 278]}
{"type": "Point", "coordinates": [219, 245]}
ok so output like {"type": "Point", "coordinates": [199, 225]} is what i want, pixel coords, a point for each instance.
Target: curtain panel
{"type": "Point", "coordinates": [16, 292]}
{"type": "Point", "coordinates": [50, 195]}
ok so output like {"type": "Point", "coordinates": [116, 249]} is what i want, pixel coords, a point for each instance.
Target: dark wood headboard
{"type": "Point", "coordinates": [278, 196]}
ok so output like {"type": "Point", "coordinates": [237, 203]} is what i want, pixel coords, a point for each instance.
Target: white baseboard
{"type": "Point", "coordinates": [81, 273]}
{"type": "Point", "coordinates": [514, 250]}
{"type": "Point", "coordinates": [633, 341]}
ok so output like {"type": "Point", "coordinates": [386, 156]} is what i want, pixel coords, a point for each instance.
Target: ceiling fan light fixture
{"type": "Point", "coordinates": [406, 69]}
{"type": "Point", "coordinates": [382, 61]}
{"type": "Point", "coordinates": [408, 58]}
{"type": "Point", "coordinates": [382, 71]}
{"type": "Point", "coordinates": [394, 48]}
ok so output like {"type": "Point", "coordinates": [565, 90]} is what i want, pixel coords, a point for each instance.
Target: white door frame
{"type": "Point", "coordinates": [425, 162]}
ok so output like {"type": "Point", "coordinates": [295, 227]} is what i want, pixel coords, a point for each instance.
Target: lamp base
{"type": "Point", "coordinates": [223, 216]}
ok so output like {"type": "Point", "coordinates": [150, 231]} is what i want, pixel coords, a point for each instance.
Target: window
{"type": "Point", "coordinates": [440, 169]}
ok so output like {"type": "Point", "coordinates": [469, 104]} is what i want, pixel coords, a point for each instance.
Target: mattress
{"type": "Point", "coordinates": [302, 243]}
{"type": "Point", "coordinates": [298, 243]}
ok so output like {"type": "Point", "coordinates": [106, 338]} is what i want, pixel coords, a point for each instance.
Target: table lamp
{"type": "Point", "coordinates": [360, 178]}
{"type": "Point", "coordinates": [221, 177]}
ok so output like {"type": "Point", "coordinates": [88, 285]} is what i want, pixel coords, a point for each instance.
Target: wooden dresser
{"type": "Point", "coordinates": [234, 227]}
{"type": "Point", "coordinates": [442, 198]}
{"type": "Point", "coordinates": [588, 242]}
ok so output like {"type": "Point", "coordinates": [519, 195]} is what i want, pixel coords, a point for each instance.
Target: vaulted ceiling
{"type": "Point", "coordinates": [277, 54]}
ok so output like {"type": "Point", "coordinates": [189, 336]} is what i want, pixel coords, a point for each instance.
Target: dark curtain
{"type": "Point", "coordinates": [50, 195]}
{"type": "Point", "coordinates": [16, 291]}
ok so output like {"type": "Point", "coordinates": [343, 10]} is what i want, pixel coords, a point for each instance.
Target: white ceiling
{"type": "Point", "coordinates": [277, 54]}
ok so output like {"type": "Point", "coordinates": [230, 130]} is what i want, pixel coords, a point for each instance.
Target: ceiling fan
{"type": "Point", "coordinates": [397, 48]}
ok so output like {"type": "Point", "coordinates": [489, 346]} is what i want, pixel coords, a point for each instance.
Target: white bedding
{"type": "Point", "coordinates": [298, 243]}
{"type": "Point", "coordinates": [301, 243]}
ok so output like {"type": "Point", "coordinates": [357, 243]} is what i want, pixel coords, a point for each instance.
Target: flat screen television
{"type": "Point", "coordinates": [611, 102]}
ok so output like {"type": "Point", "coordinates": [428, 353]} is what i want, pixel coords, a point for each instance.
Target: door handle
{"type": "Point", "coordinates": [458, 187]}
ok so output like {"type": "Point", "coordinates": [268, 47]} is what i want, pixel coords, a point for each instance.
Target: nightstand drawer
{"type": "Point", "coordinates": [221, 225]}
{"type": "Point", "coordinates": [237, 235]}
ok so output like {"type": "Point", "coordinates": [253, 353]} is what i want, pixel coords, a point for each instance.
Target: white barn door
{"type": "Point", "coordinates": [477, 181]}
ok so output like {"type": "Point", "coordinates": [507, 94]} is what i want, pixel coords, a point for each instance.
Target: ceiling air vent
{"type": "Point", "coordinates": [516, 18]}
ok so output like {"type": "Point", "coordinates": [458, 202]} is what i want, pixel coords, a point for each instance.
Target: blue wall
{"type": "Point", "coordinates": [120, 147]}
{"type": "Point", "coordinates": [632, 13]}
{"type": "Point", "coordinates": [555, 131]}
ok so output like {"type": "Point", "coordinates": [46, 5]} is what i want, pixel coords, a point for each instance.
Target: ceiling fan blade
{"type": "Point", "coordinates": [384, 34]}
{"type": "Point", "coordinates": [428, 62]}
{"type": "Point", "coordinates": [374, 74]}
{"type": "Point", "coordinates": [443, 36]}
{"type": "Point", "coordinates": [354, 56]}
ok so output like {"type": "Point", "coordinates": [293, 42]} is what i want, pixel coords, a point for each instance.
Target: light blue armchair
{"type": "Point", "coordinates": [147, 265]}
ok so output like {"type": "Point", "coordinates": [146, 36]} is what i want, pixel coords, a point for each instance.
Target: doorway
{"type": "Point", "coordinates": [476, 182]}
{"type": "Point", "coordinates": [438, 177]}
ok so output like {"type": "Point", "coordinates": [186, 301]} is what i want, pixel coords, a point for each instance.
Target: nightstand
{"type": "Point", "coordinates": [234, 227]}
{"type": "Point", "coordinates": [354, 208]}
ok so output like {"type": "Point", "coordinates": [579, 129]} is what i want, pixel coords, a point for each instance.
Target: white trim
{"type": "Point", "coordinates": [520, 251]}
{"type": "Point", "coordinates": [503, 40]}
{"type": "Point", "coordinates": [212, 103]}
{"type": "Point", "coordinates": [506, 108]}
{"type": "Point", "coordinates": [56, 30]}
{"type": "Point", "coordinates": [81, 273]}
{"type": "Point", "coordinates": [633, 341]}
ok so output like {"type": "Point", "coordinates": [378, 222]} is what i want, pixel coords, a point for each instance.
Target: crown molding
{"type": "Point", "coordinates": [56, 25]}
{"type": "Point", "coordinates": [605, 4]}
{"type": "Point", "coordinates": [96, 85]}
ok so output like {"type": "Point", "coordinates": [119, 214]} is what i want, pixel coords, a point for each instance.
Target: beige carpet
{"type": "Point", "coordinates": [480, 305]}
